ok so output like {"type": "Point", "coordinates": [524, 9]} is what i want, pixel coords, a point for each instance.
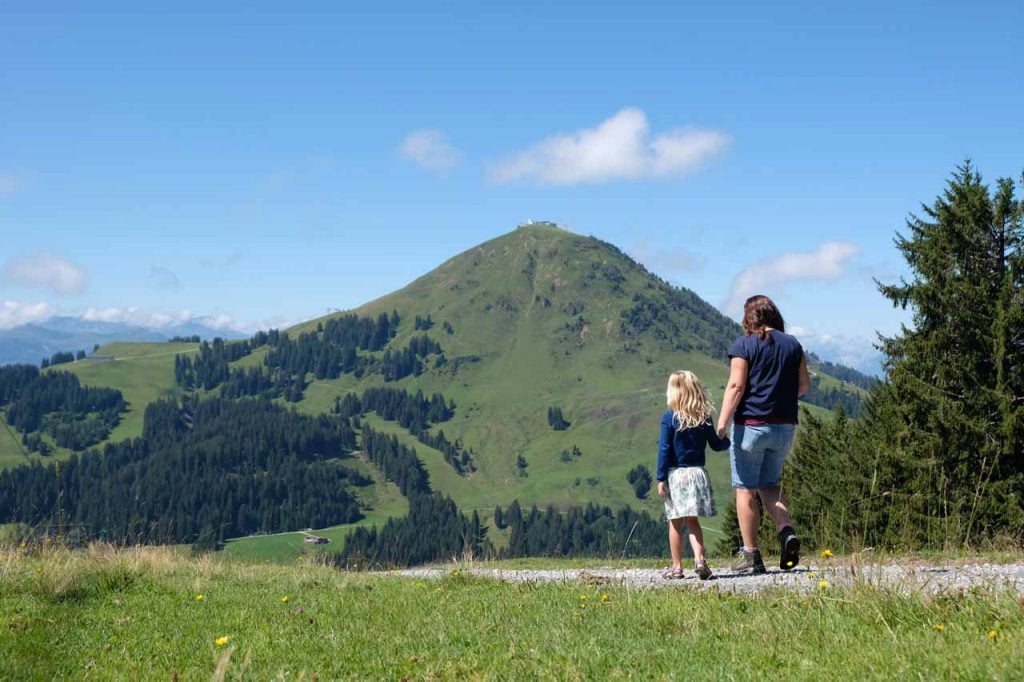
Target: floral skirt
{"type": "Point", "coordinates": [689, 493]}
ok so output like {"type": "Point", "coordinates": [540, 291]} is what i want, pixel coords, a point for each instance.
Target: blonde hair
{"type": "Point", "coordinates": [688, 399]}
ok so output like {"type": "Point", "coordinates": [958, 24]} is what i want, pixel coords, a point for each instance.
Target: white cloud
{"type": "Point", "coordinates": [430, 150]}
{"type": "Point", "coordinates": [46, 270]}
{"type": "Point", "coordinates": [620, 147]}
{"type": "Point", "coordinates": [827, 262]}
{"type": "Point", "coordinates": [9, 184]}
{"type": "Point", "coordinates": [163, 278]}
{"type": "Point", "coordinates": [161, 320]}
{"type": "Point", "coordinates": [138, 316]}
{"type": "Point", "coordinates": [15, 314]}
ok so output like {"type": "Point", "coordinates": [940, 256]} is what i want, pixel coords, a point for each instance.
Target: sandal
{"type": "Point", "coordinates": [672, 573]}
{"type": "Point", "coordinates": [702, 571]}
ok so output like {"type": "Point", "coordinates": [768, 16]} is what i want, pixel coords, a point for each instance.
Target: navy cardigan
{"type": "Point", "coordinates": [684, 448]}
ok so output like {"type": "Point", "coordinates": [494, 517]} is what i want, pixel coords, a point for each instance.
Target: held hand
{"type": "Point", "coordinates": [662, 489]}
{"type": "Point", "coordinates": [721, 430]}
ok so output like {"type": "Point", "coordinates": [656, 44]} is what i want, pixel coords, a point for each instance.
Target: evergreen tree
{"type": "Point", "coordinates": [557, 420]}
{"type": "Point", "coordinates": [938, 456]}
{"type": "Point", "coordinates": [955, 396]}
{"type": "Point", "coordinates": [640, 478]}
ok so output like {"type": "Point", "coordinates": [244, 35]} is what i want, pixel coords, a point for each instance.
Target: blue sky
{"type": "Point", "coordinates": [264, 166]}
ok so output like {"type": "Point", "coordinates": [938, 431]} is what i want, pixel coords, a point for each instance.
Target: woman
{"type": "Point", "coordinates": [767, 373]}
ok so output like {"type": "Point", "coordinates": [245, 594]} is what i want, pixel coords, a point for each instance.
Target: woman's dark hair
{"type": "Point", "coordinates": [760, 312]}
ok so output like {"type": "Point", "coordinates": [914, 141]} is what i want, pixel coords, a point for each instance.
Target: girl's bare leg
{"type": "Point", "coordinates": [696, 538]}
{"type": "Point", "coordinates": [675, 542]}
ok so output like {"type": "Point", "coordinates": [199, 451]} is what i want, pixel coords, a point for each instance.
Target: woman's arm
{"type": "Point", "coordinates": [805, 378]}
{"type": "Point", "coordinates": [733, 392]}
{"type": "Point", "coordinates": [715, 442]}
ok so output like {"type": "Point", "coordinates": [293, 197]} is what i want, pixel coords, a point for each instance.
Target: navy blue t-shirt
{"type": "Point", "coordinates": [773, 377]}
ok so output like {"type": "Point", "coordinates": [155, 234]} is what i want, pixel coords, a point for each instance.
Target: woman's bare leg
{"type": "Point", "coordinates": [749, 515]}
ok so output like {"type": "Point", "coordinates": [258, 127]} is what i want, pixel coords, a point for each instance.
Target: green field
{"type": "Point", "coordinates": [156, 614]}
{"type": "Point", "coordinates": [143, 372]}
{"type": "Point", "coordinates": [284, 547]}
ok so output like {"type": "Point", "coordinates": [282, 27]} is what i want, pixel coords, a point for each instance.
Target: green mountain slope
{"type": "Point", "coordinates": [538, 318]}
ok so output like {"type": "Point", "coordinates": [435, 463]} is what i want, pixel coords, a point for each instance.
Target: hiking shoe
{"type": "Point", "coordinates": [702, 571]}
{"type": "Point", "coordinates": [790, 549]}
{"type": "Point", "coordinates": [672, 573]}
{"type": "Point", "coordinates": [748, 563]}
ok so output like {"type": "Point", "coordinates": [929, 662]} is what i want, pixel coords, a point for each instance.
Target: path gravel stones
{"type": "Point", "coordinates": [827, 574]}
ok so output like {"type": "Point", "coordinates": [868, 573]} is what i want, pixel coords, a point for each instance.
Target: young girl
{"type": "Point", "coordinates": [682, 479]}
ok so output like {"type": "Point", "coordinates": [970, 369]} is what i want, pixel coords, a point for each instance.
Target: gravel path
{"type": "Point", "coordinates": [837, 573]}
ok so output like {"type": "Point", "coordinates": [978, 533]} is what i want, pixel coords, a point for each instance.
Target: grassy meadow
{"type": "Point", "coordinates": [143, 372]}
{"type": "Point", "coordinates": [150, 613]}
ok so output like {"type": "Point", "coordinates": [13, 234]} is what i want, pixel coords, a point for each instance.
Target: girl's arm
{"type": "Point", "coordinates": [664, 445]}
{"type": "Point", "coordinates": [733, 392]}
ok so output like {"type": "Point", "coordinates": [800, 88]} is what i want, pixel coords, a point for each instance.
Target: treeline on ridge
{"type": "Point", "coordinates": [597, 531]}
{"type": "Point", "coordinates": [56, 403]}
{"type": "Point", "coordinates": [433, 530]}
{"type": "Point", "coordinates": [61, 358]}
{"type": "Point", "coordinates": [200, 473]}
{"type": "Point", "coordinates": [833, 398]}
{"type": "Point", "coordinates": [341, 345]}
{"type": "Point", "coordinates": [415, 412]}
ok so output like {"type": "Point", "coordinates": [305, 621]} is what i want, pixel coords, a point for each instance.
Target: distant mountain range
{"type": "Point", "coordinates": [30, 343]}
{"type": "Point", "coordinates": [860, 355]}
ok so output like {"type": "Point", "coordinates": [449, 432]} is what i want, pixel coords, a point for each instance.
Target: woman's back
{"type": "Point", "coordinates": [773, 377]}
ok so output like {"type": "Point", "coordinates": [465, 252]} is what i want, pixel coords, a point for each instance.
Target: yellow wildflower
{"type": "Point", "coordinates": [939, 627]}
{"type": "Point", "coordinates": [826, 554]}
{"type": "Point", "coordinates": [221, 641]}
{"type": "Point", "coordinates": [583, 597]}
{"type": "Point", "coordinates": [605, 598]}
{"type": "Point", "coordinates": [284, 599]}
{"type": "Point", "coordinates": [200, 597]}
{"type": "Point", "coordinates": [810, 574]}
{"type": "Point", "coordinates": [992, 634]}
{"type": "Point", "coordinates": [823, 583]}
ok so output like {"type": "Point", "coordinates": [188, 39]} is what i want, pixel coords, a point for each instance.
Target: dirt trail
{"type": "Point", "coordinates": [835, 573]}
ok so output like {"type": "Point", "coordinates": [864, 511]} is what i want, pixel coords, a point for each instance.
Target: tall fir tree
{"type": "Point", "coordinates": [938, 457]}
{"type": "Point", "coordinates": [954, 395]}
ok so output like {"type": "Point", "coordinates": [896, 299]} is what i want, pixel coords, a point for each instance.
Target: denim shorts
{"type": "Point", "coordinates": [757, 454]}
